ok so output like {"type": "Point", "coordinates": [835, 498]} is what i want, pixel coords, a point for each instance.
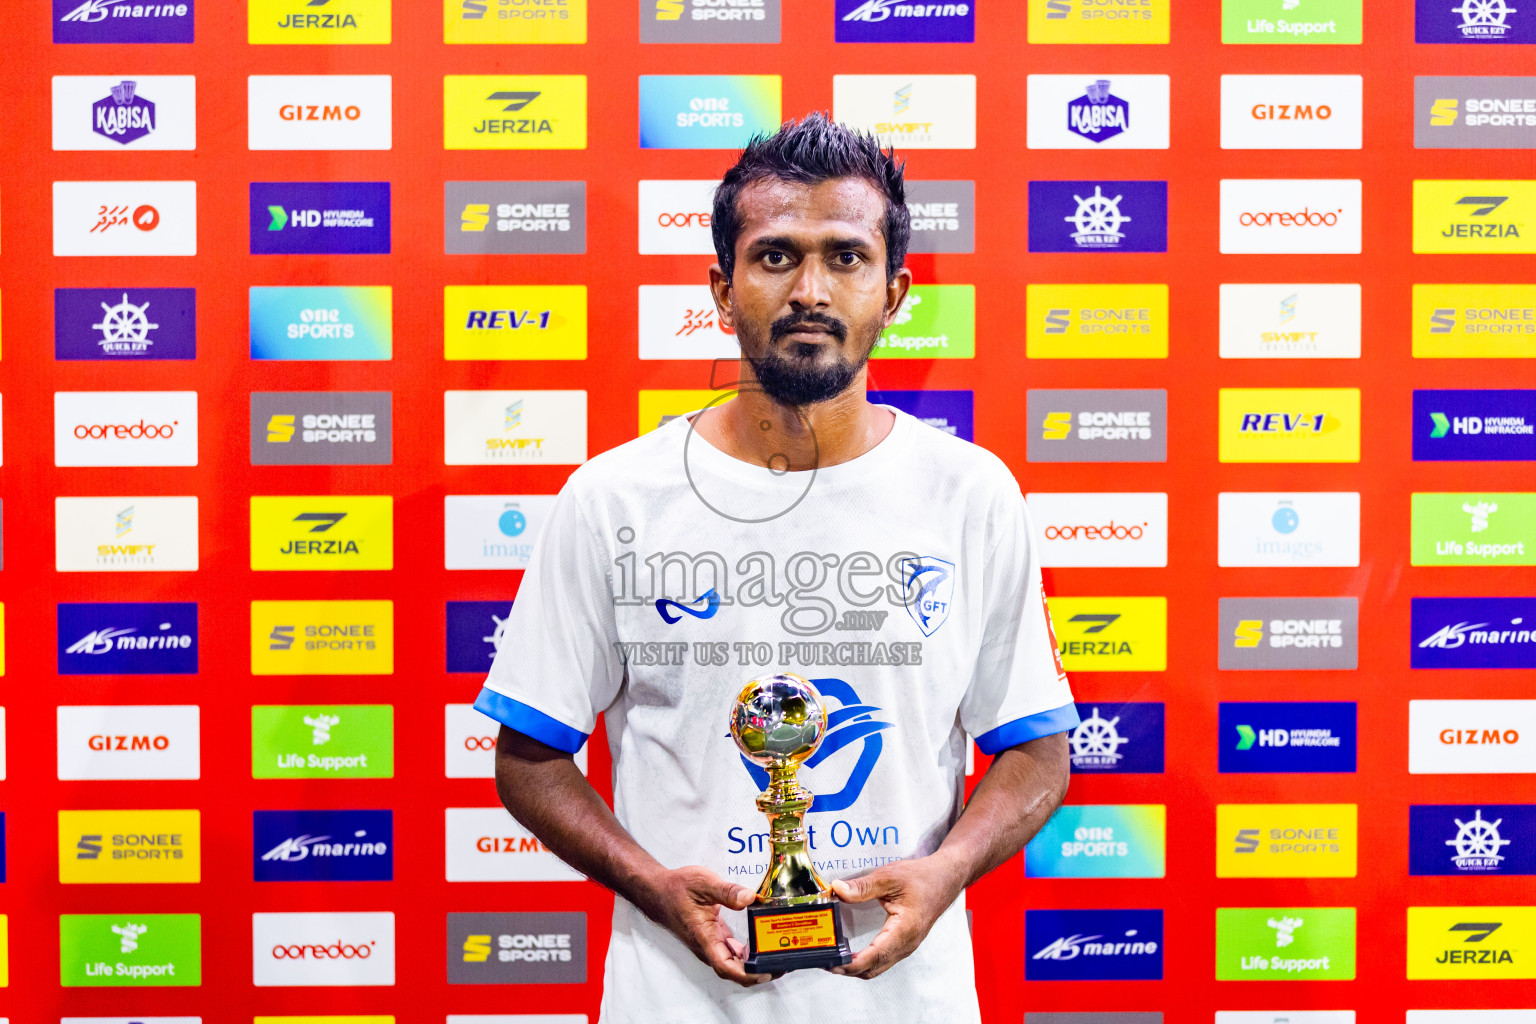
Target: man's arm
{"type": "Point", "coordinates": [546, 792]}
{"type": "Point", "coordinates": [1020, 791]}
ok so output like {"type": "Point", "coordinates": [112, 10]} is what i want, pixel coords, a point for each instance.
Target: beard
{"type": "Point", "coordinates": [797, 375]}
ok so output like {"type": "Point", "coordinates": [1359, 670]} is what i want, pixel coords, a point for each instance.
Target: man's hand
{"type": "Point", "coordinates": [914, 893]}
{"type": "Point", "coordinates": [687, 902]}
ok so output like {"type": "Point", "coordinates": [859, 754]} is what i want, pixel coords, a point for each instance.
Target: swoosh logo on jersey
{"type": "Point", "coordinates": [669, 609]}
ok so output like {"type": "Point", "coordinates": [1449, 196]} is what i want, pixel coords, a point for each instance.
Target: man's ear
{"type": "Point", "coordinates": [720, 290]}
{"type": "Point", "coordinates": [896, 293]}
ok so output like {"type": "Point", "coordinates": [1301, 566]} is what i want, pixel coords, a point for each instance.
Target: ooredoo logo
{"type": "Point", "coordinates": [676, 218]}
{"type": "Point", "coordinates": [323, 949]}
{"type": "Point", "coordinates": [125, 428]}
{"type": "Point", "coordinates": [1101, 529]}
{"type": "Point", "coordinates": [1290, 216]}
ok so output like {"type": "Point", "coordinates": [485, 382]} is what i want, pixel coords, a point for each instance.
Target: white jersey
{"type": "Point", "coordinates": [904, 584]}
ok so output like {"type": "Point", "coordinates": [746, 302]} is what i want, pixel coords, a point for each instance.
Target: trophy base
{"type": "Point", "coordinates": [795, 938]}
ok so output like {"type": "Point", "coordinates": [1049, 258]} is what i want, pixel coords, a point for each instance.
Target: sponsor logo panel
{"type": "Point", "coordinates": [1471, 1016]}
{"type": "Point", "coordinates": [1287, 840]}
{"type": "Point", "coordinates": [332, 22]}
{"type": "Point", "coordinates": [512, 21]}
{"type": "Point", "coordinates": [710, 21]}
{"type": "Point", "coordinates": [107, 113]}
{"type": "Point", "coordinates": [707, 111]}
{"type": "Point", "coordinates": [1474, 529]}
{"type": "Point", "coordinates": [1264, 21]}
{"type": "Point", "coordinates": [515, 112]}
{"type": "Point", "coordinates": [337, 741]}
{"type": "Point", "coordinates": [1149, 1017]}
{"type": "Point", "coordinates": [937, 321]}
{"type": "Point", "coordinates": [1121, 739]}
{"type": "Point", "coordinates": [1291, 216]}
{"type": "Point", "coordinates": [136, 1020]}
{"type": "Point", "coordinates": [1474, 321]}
{"type": "Point", "coordinates": [1473, 632]}
{"type": "Point", "coordinates": [1100, 528]}
{"type": "Point", "coordinates": [1111, 634]}
{"type": "Point", "coordinates": [517, 949]}
{"type": "Point", "coordinates": [909, 111]}
{"type": "Point", "coordinates": [122, 21]}
{"type": "Point", "coordinates": [1290, 321]}
{"type": "Point", "coordinates": [1096, 321]}
{"type": "Point", "coordinates": [475, 632]}
{"type": "Point", "coordinates": [130, 950]}
{"type": "Point", "coordinates": [521, 1018]}
{"type": "Point", "coordinates": [1287, 737]}
{"type": "Point", "coordinates": [942, 215]}
{"type": "Point", "coordinates": [322, 638]}
{"type": "Point", "coordinates": [122, 741]}
{"type": "Point", "coordinates": [124, 324]}
{"type": "Point", "coordinates": [1471, 943]}
{"type": "Point", "coordinates": [1457, 112]}
{"type": "Point", "coordinates": [146, 638]}
{"type": "Point", "coordinates": [323, 532]}
{"type": "Point", "coordinates": [1474, 426]}
{"type": "Point", "coordinates": [323, 846]}
{"type": "Point", "coordinates": [950, 411]}
{"type": "Point", "coordinates": [1083, 21]}
{"type": "Point", "coordinates": [1474, 22]}
{"type": "Point", "coordinates": [323, 217]}
{"type": "Point", "coordinates": [1288, 528]}
{"type": "Point", "coordinates": [660, 407]}
{"type": "Point", "coordinates": [1474, 216]}
{"type": "Point", "coordinates": [469, 744]}
{"type": "Point", "coordinates": [679, 321]}
{"type": "Point", "coordinates": [125, 534]}
{"type": "Point", "coordinates": [514, 217]}
{"type": "Point", "coordinates": [1093, 945]}
{"type": "Point", "coordinates": [125, 218]}
{"type": "Point", "coordinates": [329, 112]}
{"type": "Point", "coordinates": [1288, 633]}
{"type": "Point", "coordinates": [492, 531]}
{"type": "Point", "coordinates": [486, 844]}
{"type": "Point", "coordinates": [1472, 839]}
{"type": "Point", "coordinates": [1288, 1017]}
{"type": "Point", "coordinates": [130, 846]}
{"type": "Point", "coordinates": [323, 949]}
{"type": "Point", "coordinates": [1100, 841]}
{"type": "Point", "coordinates": [1098, 216]}
{"type": "Point", "coordinates": [1471, 737]}
{"type": "Point", "coordinates": [1097, 425]}
{"type": "Point", "coordinates": [1098, 111]}
{"type": "Point", "coordinates": [1285, 943]}
{"type": "Point", "coordinates": [354, 322]}
{"type": "Point", "coordinates": [544, 321]}
{"type": "Point", "coordinates": [1289, 425]}
{"type": "Point", "coordinates": [125, 428]}
{"type": "Point", "coordinates": [322, 428]}
{"type": "Point", "coordinates": [676, 217]}
{"type": "Point", "coordinates": [903, 21]}
{"type": "Point", "coordinates": [493, 428]}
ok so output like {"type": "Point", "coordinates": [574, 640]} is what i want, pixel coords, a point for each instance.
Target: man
{"type": "Point", "coordinates": [794, 528]}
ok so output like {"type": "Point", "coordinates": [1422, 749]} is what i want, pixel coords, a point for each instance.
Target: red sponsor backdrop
{"type": "Point", "coordinates": [611, 165]}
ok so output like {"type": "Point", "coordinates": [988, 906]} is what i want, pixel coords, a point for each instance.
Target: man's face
{"type": "Point", "coordinates": [809, 296]}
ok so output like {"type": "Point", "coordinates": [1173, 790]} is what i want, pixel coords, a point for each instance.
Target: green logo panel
{"type": "Point", "coordinates": [136, 950]}
{"type": "Point", "coordinates": [1313, 21]}
{"type": "Point", "coordinates": [1285, 943]}
{"type": "Point", "coordinates": [1474, 529]}
{"type": "Point", "coordinates": [938, 321]}
{"type": "Point", "coordinates": [335, 741]}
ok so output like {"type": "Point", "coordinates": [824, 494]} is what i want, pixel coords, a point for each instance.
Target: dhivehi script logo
{"type": "Point", "coordinates": [852, 722]}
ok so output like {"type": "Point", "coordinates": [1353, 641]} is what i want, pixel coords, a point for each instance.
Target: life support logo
{"type": "Point", "coordinates": [930, 602]}
{"type": "Point", "coordinates": [852, 722]}
{"type": "Point", "coordinates": [669, 610]}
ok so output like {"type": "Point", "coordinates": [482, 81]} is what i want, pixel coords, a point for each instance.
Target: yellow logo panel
{"type": "Point", "coordinates": [657, 407]}
{"type": "Point", "coordinates": [1287, 840]}
{"type": "Point", "coordinates": [323, 532]}
{"type": "Point", "coordinates": [1471, 943]}
{"type": "Point", "coordinates": [515, 112]}
{"type": "Point", "coordinates": [332, 22]}
{"type": "Point", "coordinates": [322, 638]}
{"type": "Point", "coordinates": [1091, 21]}
{"type": "Point", "coordinates": [1474, 321]}
{"type": "Point", "coordinates": [512, 21]}
{"type": "Point", "coordinates": [1290, 425]}
{"type": "Point", "coordinates": [1474, 216]}
{"type": "Point", "coordinates": [1096, 321]}
{"type": "Point", "coordinates": [515, 321]}
{"type": "Point", "coordinates": [130, 846]}
{"type": "Point", "coordinates": [1111, 634]}
{"type": "Point", "coordinates": [5, 951]}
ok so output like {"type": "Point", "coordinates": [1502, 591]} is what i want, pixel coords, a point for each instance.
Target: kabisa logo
{"type": "Point", "coordinates": [1286, 737]}
{"type": "Point", "coordinates": [328, 846]}
{"type": "Point", "coordinates": [505, 949]}
{"type": "Point", "coordinates": [1098, 114]}
{"type": "Point", "coordinates": [929, 589]}
{"type": "Point", "coordinates": [128, 639]}
{"type": "Point", "coordinates": [904, 21]}
{"type": "Point", "coordinates": [852, 722]}
{"type": "Point", "coordinates": [1474, 426]}
{"type": "Point", "coordinates": [1471, 943]}
{"type": "Point", "coordinates": [125, 323]}
{"type": "Point", "coordinates": [1474, 632]}
{"type": "Point", "coordinates": [475, 633]}
{"type": "Point", "coordinates": [1098, 216]}
{"type": "Point", "coordinates": [124, 116]}
{"type": "Point", "coordinates": [319, 21]}
{"type": "Point", "coordinates": [1472, 21]}
{"type": "Point", "coordinates": [99, 950]}
{"type": "Point", "coordinates": [122, 21]}
{"type": "Point", "coordinates": [1458, 839]}
{"type": "Point", "coordinates": [1093, 945]}
{"type": "Point", "coordinates": [1123, 739]}
{"type": "Point", "coordinates": [1100, 841]}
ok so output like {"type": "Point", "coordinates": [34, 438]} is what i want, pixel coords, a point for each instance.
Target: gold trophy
{"type": "Point", "coordinates": [778, 721]}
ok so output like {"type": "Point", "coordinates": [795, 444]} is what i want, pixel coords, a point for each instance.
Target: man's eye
{"type": "Point", "coordinates": [775, 259]}
{"type": "Point", "coordinates": [847, 259]}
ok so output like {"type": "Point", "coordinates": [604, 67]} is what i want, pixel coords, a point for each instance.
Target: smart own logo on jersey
{"type": "Point", "coordinates": [710, 21]}
{"type": "Point", "coordinates": [328, 112]}
{"type": "Point", "coordinates": [1472, 839]}
{"type": "Point", "coordinates": [1474, 321]}
{"type": "Point", "coordinates": [324, 22]}
{"type": "Point", "coordinates": [852, 722]}
{"type": "Point", "coordinates": [509, 21]}
{"type": "Point", "coordinates": [326, 638]}
{"type": "Point", "coordinates": [1111, 634]}
{"type": "Point", "coordinates": [904, 21]}
{"type": "Point", "coordinates": [1100, 841]}
{"type": "Point", "coordinates": [486, 844]}
{"type": "Point", "coordinates": [354, 322]}
{"type": "Point", "coordinates": [322, 428]}
{"type": "Point", "coordinates": [95, 112]}
{"type": "Point", "coordinates": [1122, 739]}
{"type": "Point", "coordinates": [1472, 22]}
{"type": "Point", "coordinates": [1287, 737]}
{"type": "Point", "coordinates": [950, 411]}
{"type": "Point", "coordinates": [942, 215]}
{"type": "Point", "coordinates": [1071, 425]}
{"type": "Point", "coordinates": [124, 324]}
{"type": "Point", "coordinates": [1474, 426]}
{"type": "Point", "coordinates": [475, 631]}
{"type": "Point", "coordinates": [1098, 216]}
{"type": "Point", "coordinates": [515, 112]}
{"type": "Point", "coordinates": [1471, 737]}
{"type": "Point", "coordinates": [330, 949]}
{"type": "Point", "coordinates": [1273, 528]}
{"type": "Point", "coordinates": [1096, 321]}
{"type": "Point", "coordinates": [330, 217]}
{"type": "Point", "coordinates": [1481, 216]}
{"type": "Point", "coordinates": [1097, 111]}
{"type": "Point", "coordinates": [336, 741]}
{"type": "Point", "coordinates": [323, 846]}
{"type": "Point", "coordinates": [936, 321]}
{"type": "Point", "coordinates": [1460, 112]}
{"type": "Point", "coordinates": [514, 217]}
{"type": "Point", "coordinates": [122, 21]}
{"type": "Point", "coordinates": [1290, 321]}
{"type": "Point", "coordinates": [130, 950]}
{"type": "Point", "coordinates": [1291, 22]}
{"type": "Point", "coordinates": [1474, 632]}
{"type": "Point", "coordinates": [909, 111]}
{"type": "Point", "coordinates": [148, 638]}
{"type": "Point", "coordinates": [1093, 945]}
{"type": "Point", "coordinates": [1085, 21]}
{"type": "Point", "coordinates": [517, 949]}
{"type": "Point", "coordinates": [1471, 942]}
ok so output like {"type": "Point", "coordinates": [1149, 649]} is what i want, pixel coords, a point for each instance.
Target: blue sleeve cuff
{"type": "Point", "coordinates": [530, 721]}
{"type": "Point", "coordinates": [1030, 727]}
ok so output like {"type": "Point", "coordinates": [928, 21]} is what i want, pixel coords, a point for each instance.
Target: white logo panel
{"type": "Point", "coordinates": [1471, 737]}
{"type": "Point", "coordinates": [1290, 321]}
{"type": "Point", "coordinates": [1098, 111]}
{"type": "Point", "coordinates": [486, 844]}
{"type": "Point", "coordinates": [1292, 111]}
{"type": "Point", "coordinates": [1287, 1017]}
{"type": "Point", "coordinates": [492, 531]}
{"type": "Point", "coordinates": [676, 216]}
{"type": "Point", "coordinates": [1281, 529]}
{"type": "Point", "coordinates": [1100, 529]}
{"type": "Point", "coordinates": [497, 428]}
{"type": "Point", "coordinates": [125, 428]}
{"type": "Point", "coordinates": [909, 111]}
{"type": "Point", "coordinates": [517, 1018]}
{"type": "Point", "coordinates": [123, 112]}
{"type": "Point", "coordinates": [323, 949]}
{"type": "Point", "coordinates": [129, 742]}
{"type": "Point", "coordinates": [125, 218]}
{"type": "Point", "coordinates": [1290, 215]}
{"type": "Point", "coordinates": [678, 321]}
{"type": "Point", "coordinates": [469, 744]}
{"type": "Point", "coordinates": [332, 112]}
{"type": "Point", "coordinates": [1471, 1017]}
{"type": "Point", "coordinates": [125, 534]}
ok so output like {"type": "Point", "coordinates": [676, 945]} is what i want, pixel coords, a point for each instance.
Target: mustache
{"type": "Point", "coordinates": [785, 325]}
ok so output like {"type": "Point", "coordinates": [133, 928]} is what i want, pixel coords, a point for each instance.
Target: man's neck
{"type": "Point", "coordinates": [755, 429]}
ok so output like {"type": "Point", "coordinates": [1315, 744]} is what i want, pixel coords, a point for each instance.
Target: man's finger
{"type": "Point", "coordinates": [889, 948]}
{"type": "Point", "coordinates": [726, 894]}
{"type": "Point", "coordinates": [859, 890]}
{"type": "Point", "coordinates": [729, 966]}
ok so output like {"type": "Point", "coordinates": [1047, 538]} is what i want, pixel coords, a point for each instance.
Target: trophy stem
{"type": "Point", "coordinates": [791, 878]}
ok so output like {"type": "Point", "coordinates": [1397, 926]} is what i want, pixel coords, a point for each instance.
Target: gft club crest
{"type": "Point", "coordinates": [928, 588]}
{"type": "Point", "coordinates": [852, 722]}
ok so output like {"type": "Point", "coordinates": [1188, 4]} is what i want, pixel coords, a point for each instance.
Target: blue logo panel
{"type": "Point", "coordinates": [1473, 21]}
{"type": "Point", "coordinates": [1474, 426]}
{"type": "Point", "coordinates": [1472, 839]}
{"type": "Point", "coordinates": [905, 21]}
{"type": "Point", "coordinates": [1310, 736]}
{"type": "Point", "coordinates": [125, 324]}
{"type": "Point", "coordinates": [331, 323]}
{"type": "Point", "coordinates": [1098, 216]}
{"type": "Point", "coordinates": [330, 217]}
{"type": "Point", "coordinates": [1473, 632]}
{"type": "Point", "coordinates": [1118, 739]}
{"type": "Point", "coordinates": [128, 639]}
{"type": "Point", "coordinates": [706, 111]}
{"type": "Point", "coordinates": [122, 21]}
{"type": "Point", "coordinates": [474, 634]}
{"type": "Point", "coordinates": [950, 411]}
{"type": "Point", "coordinates": [324, 846]}
{"type": "Point", "coordinates": [2, 847]}
{"type": "Point", "coordinates": [1093, 945]}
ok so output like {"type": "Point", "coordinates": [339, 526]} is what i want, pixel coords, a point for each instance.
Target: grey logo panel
{"type": "Point", "coordinates": [709, 21]}
{"type": "Point", "coordinates": [517, 949]}
{"type": "Point", "coordinates": [1288, 633]}
{"type": "Point", "coordinates": [1457, 112]}
{"type": "Point", "coordinates": [943, 216]}
{"type": "Point", "coordinates": [1097, 425]}
{"type": "Point", "coordinates": [322, 428]}
{"type": "Point", "coordinates": [516, 217]}
{"type": "Point", "coordinates": [1093, 1018]}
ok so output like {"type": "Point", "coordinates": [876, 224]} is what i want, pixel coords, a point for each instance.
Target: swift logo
{"type": "Point", "coordinates": [669, 610]}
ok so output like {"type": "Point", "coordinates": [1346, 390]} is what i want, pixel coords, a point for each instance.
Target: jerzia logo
{"type": "Point", "coordinates": [705, 607]}
{"type": "Point", "coordinates": [1471, 942]}
{"type": "Point", "coordinates": [852, 722]}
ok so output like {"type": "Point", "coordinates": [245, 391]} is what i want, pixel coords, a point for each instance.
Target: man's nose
{"type": "Point", "coordinates": [812, 289]}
